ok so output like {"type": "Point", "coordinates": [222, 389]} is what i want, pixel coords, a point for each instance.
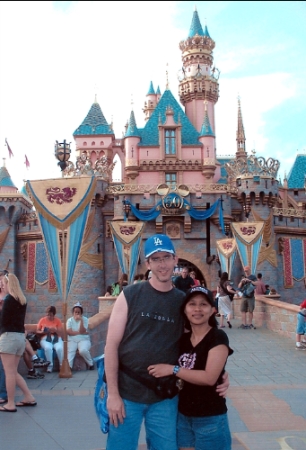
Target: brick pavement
{"type": "Point", "coordinates": [266, 402]}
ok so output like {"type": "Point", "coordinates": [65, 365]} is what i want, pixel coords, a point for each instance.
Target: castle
{"type": "Point", "coordinates": [174, 183]}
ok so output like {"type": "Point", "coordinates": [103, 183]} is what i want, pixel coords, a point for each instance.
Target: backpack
{"type": "Point", "coordinates": [248, 290]}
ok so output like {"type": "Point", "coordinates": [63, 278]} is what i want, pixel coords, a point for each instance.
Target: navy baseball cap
{"type": "Point", "coordinates": [158, 243]}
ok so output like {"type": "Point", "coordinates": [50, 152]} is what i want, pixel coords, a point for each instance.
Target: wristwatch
{"type": "Point", "coordinates": [176, 370]}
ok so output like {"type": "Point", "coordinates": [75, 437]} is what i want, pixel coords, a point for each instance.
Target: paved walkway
{"type": "Point", "coordinates": [266, 402]}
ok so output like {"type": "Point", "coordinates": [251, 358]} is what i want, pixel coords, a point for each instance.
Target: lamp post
{"type": "Point", "coordinates": [62, 152]}
{"type": "Point", "coordinates": [126, 209]}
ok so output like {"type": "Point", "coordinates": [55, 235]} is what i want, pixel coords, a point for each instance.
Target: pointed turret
{"type": "Point", "coordinates": [198, 79]}
{"type": "Point", "coordinates": [132, 139]}
{"type": "Point", "coordinates": [6, 183]}
{"type": "Point", "coordinates": [206, 129]}
{"type": "Point", "coordinates": [196, 27]}
{"type": "Point", "coordinates": [94, 123]}
{"type": "Point", "coordinates": [132, 129]}
{"type": "Point", "coordinates": [207, 138]}
{"type": "Point", "coordinates": [151, 102]}
{"type": "Point", "coordinates": [151, 89]}
{"type": "Point", "coordinates": [240, 136]}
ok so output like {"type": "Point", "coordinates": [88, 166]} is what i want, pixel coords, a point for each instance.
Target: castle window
{"type": "Point", "coordinates": [170, 179]}
{"type": "Point", "coordinates": [296, 193]}
{"type": "Point", "coordinates": [170, 142]}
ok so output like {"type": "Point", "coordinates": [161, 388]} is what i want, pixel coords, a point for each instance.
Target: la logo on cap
{"type": "Point", "coordinates": [157, 241]}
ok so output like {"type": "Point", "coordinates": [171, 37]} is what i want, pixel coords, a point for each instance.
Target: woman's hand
{"type": "Point", "coordinates": [160, 370]}
{"type": "Point", "coordinates": [223, 388]}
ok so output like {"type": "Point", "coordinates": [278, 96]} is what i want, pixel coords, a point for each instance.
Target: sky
{"type": "Point", "coordinates": [55, 57]}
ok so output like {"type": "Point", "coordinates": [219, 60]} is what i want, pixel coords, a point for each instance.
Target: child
{"type": "Point", "coordinates": [301, 327]}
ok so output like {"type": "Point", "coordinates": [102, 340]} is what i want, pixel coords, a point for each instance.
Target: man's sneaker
{"type": "Point", "coordinates": [252, 326]}
{"type": "Point", "coordinates": [35, 375]}
{"type": "Point", "coordinates": [40, 362]}
{"type": "Point", "coordinates": [301, 347]}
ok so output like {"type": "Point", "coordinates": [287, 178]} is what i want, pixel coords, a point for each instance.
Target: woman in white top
{"type": "Point", "coordinates": [78, 337]}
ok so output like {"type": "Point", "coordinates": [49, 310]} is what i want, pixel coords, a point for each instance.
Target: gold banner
{"type": "Point", "coordinates": [127, 232]}
{"type": "Point", "coordinates": [226, 246]}
{"type": "Point", "coordinates": [61, 200]}
{"type": "Point", "coordinates": [248, 232]}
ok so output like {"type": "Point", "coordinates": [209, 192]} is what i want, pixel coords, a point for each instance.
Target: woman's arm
{"type": "Point", "coordinates": [216, 360]}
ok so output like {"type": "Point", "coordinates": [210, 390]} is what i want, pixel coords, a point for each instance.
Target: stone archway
{"type": "Point", "coordinates": [191, 266]}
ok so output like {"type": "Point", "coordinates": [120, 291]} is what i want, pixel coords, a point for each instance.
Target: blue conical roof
{"type": "Point", "coordinates": [206, 32]}
{"type": "Point", "coordinates": [196, 27]}
{"type": "Point", "coordinates": [5, 178]}
{"type": "Point", "coordinates": [132, 129]}
{"type": "Point", "coordinates": [158, 91]}
{"type": "Point", "coordinates": [296, 177]}
{"type": "Point", "coordinates": [151, 89]}
{"type": "Point", "coordinates": [94, 123]}
{"type": "Point", "coordinates": [150, 133]}
{"type": "Point", "coordinates": [206, 129]}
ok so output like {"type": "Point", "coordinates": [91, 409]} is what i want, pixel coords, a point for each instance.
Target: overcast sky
{"type": "Point", "coordinates": [56, 56]}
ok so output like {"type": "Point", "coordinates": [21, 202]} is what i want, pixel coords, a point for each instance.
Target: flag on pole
{"type": "Point", "coordinates": [9, 149]}
{"type": "Point", "coordinates": [27, 163]}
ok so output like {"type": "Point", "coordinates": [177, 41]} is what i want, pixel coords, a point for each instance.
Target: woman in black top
{"type": "Point", "coordinates": [202, 419]}
{"type": "Point", "coordinates": [12, 341]}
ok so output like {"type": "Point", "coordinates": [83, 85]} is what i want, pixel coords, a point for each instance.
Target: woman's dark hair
{"type": "Point", "coordinates": [208, 296]}
{"type": "Point", "coordinates": [223, 279]}
{"type": "Point", "coordinates": [51, 309]}
{"type": "Point", "coordinates": [109, 289]}
{"type": "Point", "coordinates": [78, 306]}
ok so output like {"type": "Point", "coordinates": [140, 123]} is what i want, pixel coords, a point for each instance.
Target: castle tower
{"type": "Point", "coordinates": [207, 138]}
{"type": "Point", "coordinates": [94, 137]}
{"type": "Point", "coordinates": [240, 135]}
{"type": "Point", "coordinates": [198, 81]}
{"type": "Point", "coordinates": [132, 138]}
{"type": "Point", "coordinates": [151, 102]}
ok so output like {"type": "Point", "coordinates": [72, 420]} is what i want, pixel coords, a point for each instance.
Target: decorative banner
{"type": "Point", "coordinates": [267, 251]}
{"type": "Point", "coordinates": [62, 205]}
{"type": "Point", "coordinates": [248, 239]}
{"type": "Point", "coordinates": [127, 241]}
{"type": "Point", "coordinates": [287, 261]}
{"type": "Point", "coordinates": [175, 201]}
{"type": "Point", "coordinates": [93, 260]}
{"type": "Point", "coordinates": [38, 267]}
{"type": "Point", "coordinates": [227, 250]}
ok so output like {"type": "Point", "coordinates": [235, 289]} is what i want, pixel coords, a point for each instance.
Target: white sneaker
{"type": "Point", "coordinates": [50, 369]}
{"type": "Point", "coordinates": [300, 347]}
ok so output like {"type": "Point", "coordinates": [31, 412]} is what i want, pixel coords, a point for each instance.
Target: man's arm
{"type": "Point", "coordinates": [116, 327]}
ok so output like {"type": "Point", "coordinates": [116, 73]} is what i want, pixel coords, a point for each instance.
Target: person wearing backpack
{"type": "Point", "coordinates": [225, 290]}
{"type": "Point", "coordinates": [247, 285]}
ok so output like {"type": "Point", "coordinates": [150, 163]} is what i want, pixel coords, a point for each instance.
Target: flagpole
{"type": "Point", "coordinates": [65, 371]}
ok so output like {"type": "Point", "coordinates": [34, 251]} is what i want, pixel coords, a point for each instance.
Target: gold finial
{"type": "Point", "coordinates": [195, 7]}
{"type": "Point", "coordinates": [205, 105]}
{"type": "Point", "coordinates": [4, 161]}
{"type": "Point", "coordinates": [96, 98]}
{"type": "Point", "coordinates": [132, 102]}
{"type": "Point", "coordinates": [167, 79]}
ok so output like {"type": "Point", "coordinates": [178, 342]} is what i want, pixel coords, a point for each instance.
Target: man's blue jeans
{"type": "Point", "coordinates": [3, 393]}
{"type": "Point", "coordinates": [160, 425]}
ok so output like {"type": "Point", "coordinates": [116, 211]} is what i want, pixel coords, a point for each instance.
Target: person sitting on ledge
{"type": "Point", "coordinates": [78, 337]}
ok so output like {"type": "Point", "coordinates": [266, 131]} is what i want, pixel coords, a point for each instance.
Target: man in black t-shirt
{"type": "Point", "coordinates": [184, 281]}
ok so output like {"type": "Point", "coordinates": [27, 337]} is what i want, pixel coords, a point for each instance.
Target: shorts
{"type": "Point", "coordinates": [301, 324]}
{"type": "Point", "coordinates": [204, 432]}
{"type": "Point", "coordinates": [247, 304]}
{"type": "Point", "coordinates": [12, 343]}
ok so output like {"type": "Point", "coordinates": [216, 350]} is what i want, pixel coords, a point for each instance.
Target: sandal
{"type": "Point", "coordinates": [2, 401]}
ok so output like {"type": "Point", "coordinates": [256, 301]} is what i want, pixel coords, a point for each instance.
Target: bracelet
{"type": "Point", "coordinates": [176, 370]}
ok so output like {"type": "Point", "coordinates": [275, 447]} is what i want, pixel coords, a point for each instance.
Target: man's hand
{"type": "Point", "coordinates": [116, 410]}
{"type": "Point", "coordinates": [222, 388]}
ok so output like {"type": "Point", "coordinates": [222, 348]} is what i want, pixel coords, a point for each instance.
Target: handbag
{"type": "Point", "coordinates": [34, 340]}
{"type": "Point", "coordinates": [100, 396]}
{"type": "Point", "coordinates": [164, 387]}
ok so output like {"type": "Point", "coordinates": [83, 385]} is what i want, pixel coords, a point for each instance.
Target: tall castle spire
{"type": "Point", "coordinates": [198, 79]}
{"type": "Point", "coordinates": [240, 135]}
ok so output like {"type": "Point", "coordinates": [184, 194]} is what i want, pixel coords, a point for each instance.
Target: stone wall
{"type": "Point", "coordinates": [275, 315]}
